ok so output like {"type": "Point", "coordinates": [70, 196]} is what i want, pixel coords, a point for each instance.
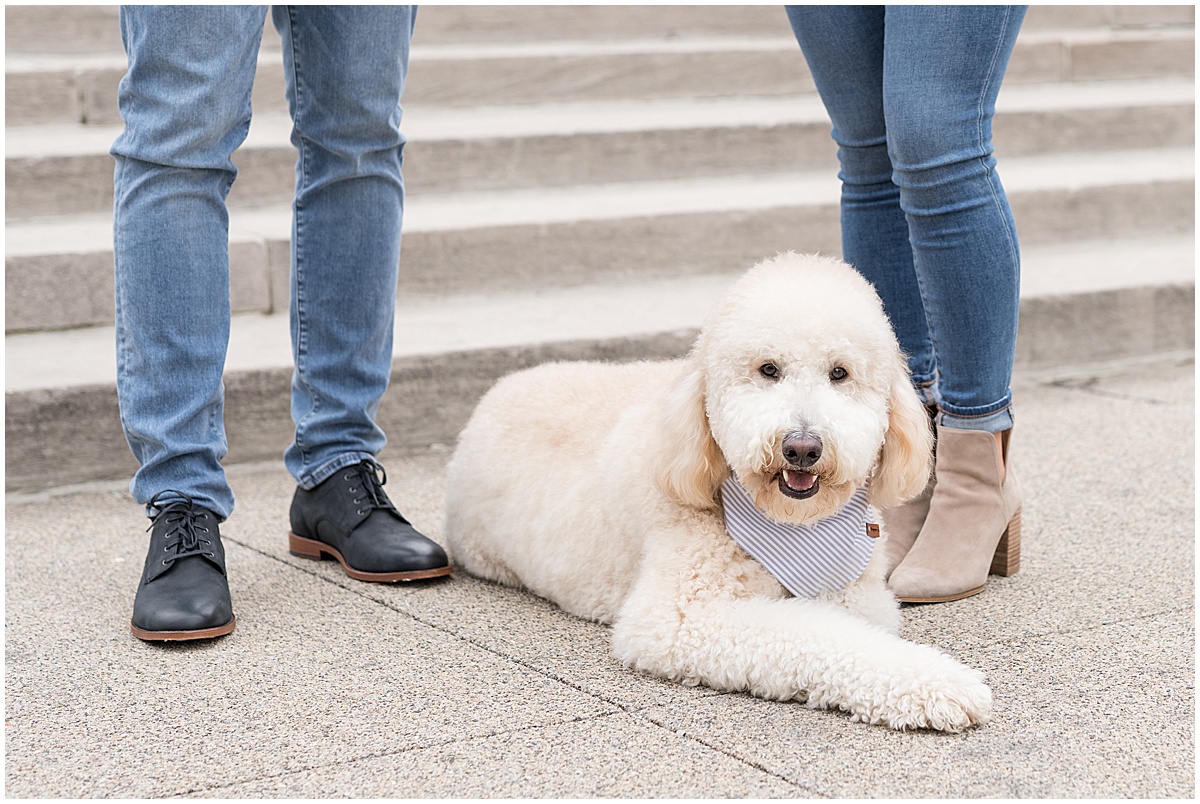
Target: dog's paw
{"type": "Point", "coordinates": [950, 702]}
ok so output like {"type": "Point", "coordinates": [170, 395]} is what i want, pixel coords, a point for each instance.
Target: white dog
{"type": "Point", "coordinates": [603, 488]}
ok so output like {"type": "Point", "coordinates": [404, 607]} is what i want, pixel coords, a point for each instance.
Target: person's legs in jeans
{"type": "Point", "coordinates": [185, 101]}
{"type": "Point", "coordinates": [924, 216]}
{"type": "Point", "coordinates": [911, 92]}
{"type": "Point", "coordinates": [186, 105]}
{"type": "Point", "coordinates": [345, 68]}
{"type": "Point", "coordinates": [945, 65]}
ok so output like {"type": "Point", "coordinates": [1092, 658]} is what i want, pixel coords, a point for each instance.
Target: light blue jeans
{"type": "Point", "coordinates": [186, 105]}
{"type": "Point", "coordinates": [911, 91]}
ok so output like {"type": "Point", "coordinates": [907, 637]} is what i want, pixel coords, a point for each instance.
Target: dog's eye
{"type": "Point", "coordinates": [769, 370]}
{"type": "Point", "coordinates": [838, 374]}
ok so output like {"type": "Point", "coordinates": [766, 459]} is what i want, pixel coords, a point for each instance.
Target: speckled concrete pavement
{"type": "Point", "coordinates": [460, 688]}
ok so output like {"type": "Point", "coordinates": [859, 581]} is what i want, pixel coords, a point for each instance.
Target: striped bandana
{"type": "Point", "coordinates": [807, 559]}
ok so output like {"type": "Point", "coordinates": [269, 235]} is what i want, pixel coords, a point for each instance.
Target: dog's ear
{"type": "Point", "coordinates": [906, 458]}
{"type": "Point", "coordinates": [688, 467]}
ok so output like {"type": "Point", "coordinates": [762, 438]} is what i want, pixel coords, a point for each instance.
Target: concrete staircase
{"type": "Point", "coordinates": [583, 183]}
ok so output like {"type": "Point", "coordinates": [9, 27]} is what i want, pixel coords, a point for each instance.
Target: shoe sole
{"type": "Point", "coordinates": [316, 551]}
{"type": "Point", "coordinates": [182, 636]}
{"type": "Point", "coordinates": [941, 599]}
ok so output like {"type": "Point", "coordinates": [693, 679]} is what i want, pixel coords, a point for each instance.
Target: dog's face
{"type": "Point", "coordinates": [806, 394]}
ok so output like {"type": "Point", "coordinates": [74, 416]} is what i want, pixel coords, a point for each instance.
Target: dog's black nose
{"type": "Point", "coordinates": [801, 450]}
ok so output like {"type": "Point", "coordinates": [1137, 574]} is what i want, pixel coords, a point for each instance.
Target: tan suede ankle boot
{"type": "Point", "coordinates": [904, 522]}
{"type": "Point", "coordinates": [973, 527]}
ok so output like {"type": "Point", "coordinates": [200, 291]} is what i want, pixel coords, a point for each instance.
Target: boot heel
{"type": "Point", "coordinates": [1007, 559]}
{"type": "Point", "coordinates": [304, 548]}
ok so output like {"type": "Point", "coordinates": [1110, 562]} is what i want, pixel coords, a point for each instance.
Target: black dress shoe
{"type": "Point", "coordinates": [348, 516]}
{"type": "Point", "coordinates": [184, 593]}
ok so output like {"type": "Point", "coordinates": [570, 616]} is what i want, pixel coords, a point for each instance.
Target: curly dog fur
{"type": "Point", "coordinates": [597, 486]}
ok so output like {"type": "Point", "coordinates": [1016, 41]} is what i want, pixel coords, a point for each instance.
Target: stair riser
{"type": "Point", "coordinates": [83, 184]}
{"type": "Point", "coordinates": [61, 291]}
{"type": "Point", "coordinates": [91, 95]}
{"type": "Point", "coordinates": [43, 292]}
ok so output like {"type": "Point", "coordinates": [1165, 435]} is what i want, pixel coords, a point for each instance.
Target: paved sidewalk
{"type": "Point", "coordinates": [460, 688]}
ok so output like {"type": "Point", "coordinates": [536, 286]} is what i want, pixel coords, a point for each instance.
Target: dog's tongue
{"type": "Point", "coordinates": [799, 481]}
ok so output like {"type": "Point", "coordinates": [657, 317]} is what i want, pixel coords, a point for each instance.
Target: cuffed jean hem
{"type": "Point", "coordinates": [995, 422]}
{"type": "Point", "coordinates": [330, 468]}
{"type": "Point", "coordinates": [925, 389]}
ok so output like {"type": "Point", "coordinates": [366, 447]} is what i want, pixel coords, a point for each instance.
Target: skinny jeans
{"type": "Point", "coordinates": [185, 102]}
{"type": "Point", "coordinates": [911, 92]}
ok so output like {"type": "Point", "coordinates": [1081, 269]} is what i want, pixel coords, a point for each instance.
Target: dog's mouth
{"type": "Point", "coordinates": [798, 484]}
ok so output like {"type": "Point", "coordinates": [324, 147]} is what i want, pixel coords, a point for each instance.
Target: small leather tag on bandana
{"type": "Point", "coordinates": [872, 530]}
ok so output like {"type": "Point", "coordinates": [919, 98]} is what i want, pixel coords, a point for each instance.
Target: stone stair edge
{"type": "Point", "coordinates": [460, 77]}
{"type": "Point", "coordinates": [19, 63]}
{"type": "Point", "coordinates": [1058, 330]}
{"type": "Point", "coordinates": [1075, 305]}
{"type": "Point", "coordinates": [270, 129]}
{"type": "Point", "coordinates": [450, 210]}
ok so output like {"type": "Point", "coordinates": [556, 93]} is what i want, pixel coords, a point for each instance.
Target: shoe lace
{"type": "Point", "coordinates": [370, 478]}
{"type": "Point", "coordinates": [184, 535]}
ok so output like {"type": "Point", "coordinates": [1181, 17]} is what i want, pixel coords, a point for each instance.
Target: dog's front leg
{"type": "Point", "coordinates": [869, 597]}
{"type": "Point", "coordinates": [683, 622]}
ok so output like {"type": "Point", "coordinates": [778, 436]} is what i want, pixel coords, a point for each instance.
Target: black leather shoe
{"type": "Point", "coordinates": [184, 593]}
{"type": "Point", "coordinates": [348, 516]}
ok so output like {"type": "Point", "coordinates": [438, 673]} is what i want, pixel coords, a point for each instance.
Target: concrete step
{"type": "Point", "coordinates": [64, 169]}
{"type": "Point", "coordinates": [82, 88]}
{"type": "Point", "coordinates": [59, 270]}
{"type": "Point", "coordinates": [94, 29]}
{"type": "Point", "coordinates": [1081, 303]}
